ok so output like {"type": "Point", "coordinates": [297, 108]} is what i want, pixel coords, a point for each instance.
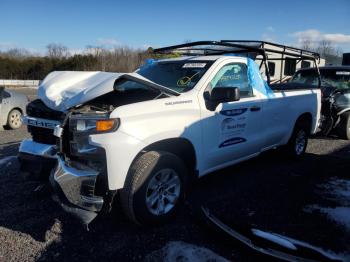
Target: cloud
{"type": "Point", "coordinates": [270, 29]}
{"type": "Point", "coordinates": [107, 42]}
{"type": "Point", "coordinates": [268, 37]}
{"type": "Point", "coordinates": [7, 45]}
{"type": "Point", "coordinates": [268, 34]}
{"type": "Point", "coordinates": [314, 35]}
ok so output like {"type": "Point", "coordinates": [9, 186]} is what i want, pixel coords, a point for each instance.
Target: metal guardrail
{"type": "Point", "coordinates": [14, 82]}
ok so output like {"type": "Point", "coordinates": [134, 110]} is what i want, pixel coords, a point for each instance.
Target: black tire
{"type": "Point", "coordinates": [14, 119]}
{"type": "Point", "coordinates": [297, 143]}
{"type": "Point", "coordinates": [343, 128]}
{"type": "Point", "coordinates": [138, 190]}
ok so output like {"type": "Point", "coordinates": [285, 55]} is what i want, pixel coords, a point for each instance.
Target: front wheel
{"type": "Point", "coordinates": [298, 142]}
{"type": "Point", "coordinates": [343, 127]}
{"type": "Point", "coordinates": [154, 187]}
{"type": "Point", "coordinates": [14, 120]}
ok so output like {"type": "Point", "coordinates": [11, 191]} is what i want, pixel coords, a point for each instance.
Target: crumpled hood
{"type": "Point", "coordinates": [61, 90]}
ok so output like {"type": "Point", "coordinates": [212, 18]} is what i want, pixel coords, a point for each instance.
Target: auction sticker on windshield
{"type": "Point", "coordinates": [194, 65]}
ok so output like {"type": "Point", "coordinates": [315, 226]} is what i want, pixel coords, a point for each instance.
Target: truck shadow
{"type": "Point", "coordinates": [269, 192]}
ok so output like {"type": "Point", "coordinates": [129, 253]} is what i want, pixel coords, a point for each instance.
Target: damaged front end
{"type": "Point", "coordinates": [80, 177]}
{"type": "Point", "coordinates": [74, 106]}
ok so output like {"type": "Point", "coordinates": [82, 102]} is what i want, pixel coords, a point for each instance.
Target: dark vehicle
{"type": "Point", "coordinates": [335, 88]}
{"type": "Point", "coordinates": [346, 59]}
{"type": "Point", "coordinates": [12, 107]}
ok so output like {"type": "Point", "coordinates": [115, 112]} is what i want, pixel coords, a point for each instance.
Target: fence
{"type": "Point", "coordinates": [18, 83]}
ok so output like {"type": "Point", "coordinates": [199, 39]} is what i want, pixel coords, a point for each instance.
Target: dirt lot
{"type": "Point", "coordinates": [308, 200]}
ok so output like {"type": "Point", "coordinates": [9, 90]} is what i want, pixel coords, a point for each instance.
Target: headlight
{"type": "Point", "coordinates": [93, 124]}
{"type": "Point", "coordinates": [82, 126]}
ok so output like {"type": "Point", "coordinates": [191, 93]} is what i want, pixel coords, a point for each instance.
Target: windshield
{"type": "Point", "coordinates": [338, 78]}
{"type": "Point", "coordinates": [180, 76]}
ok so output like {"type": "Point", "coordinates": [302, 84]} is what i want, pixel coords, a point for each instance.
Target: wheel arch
{"type": "Point", "coordinates": [17, 108]}
{"type": "Point", "coordinates": [181, 147]}
{"type": "Point", "coordinates": [305, 119]}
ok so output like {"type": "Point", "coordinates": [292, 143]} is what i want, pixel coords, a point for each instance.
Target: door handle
{"type": "Point", "coordinates": [255, 108]}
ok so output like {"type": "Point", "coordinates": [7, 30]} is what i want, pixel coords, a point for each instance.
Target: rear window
{"type": "Point", "coordinates": [337, 78]}
{"type": "Point", "coordinates": [308, 77]}
{"type": "Point", "coordinates": [180, 76]}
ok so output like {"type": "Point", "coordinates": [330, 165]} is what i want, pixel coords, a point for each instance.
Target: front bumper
{"type": "Point", "coordinates": [74, 187]}
{"type": "Point", "coordinates": [36, 158]}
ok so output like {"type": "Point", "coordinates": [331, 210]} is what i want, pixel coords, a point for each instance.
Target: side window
{"type": "Point", "coordinates": [305, 64]}
{"type": "Point", "coordinates": [290, 66]}
{"type": "Point", "coordinates": [307, 77]}
{"type": "Point", "coordinates": [233, 75]}
{"type": "Point", "coordinates": [272, 67]}
{"type": "Point", "coordinates": [5, 94]}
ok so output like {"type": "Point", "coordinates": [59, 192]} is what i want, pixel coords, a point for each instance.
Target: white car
{"type": "Point", "coordinates": [12, 107]}
{"type": "Point", "coordinates": [142, 137]}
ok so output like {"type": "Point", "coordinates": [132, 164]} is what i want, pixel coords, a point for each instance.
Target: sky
{"type": "Point", "coordinates": [33, 24]}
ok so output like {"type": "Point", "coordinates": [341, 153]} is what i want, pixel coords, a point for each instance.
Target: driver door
{"type": "Point", "coordinates": [232, 130]}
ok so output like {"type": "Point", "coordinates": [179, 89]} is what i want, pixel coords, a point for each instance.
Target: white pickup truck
{"type": "Point", "coordinates": [140, 138]}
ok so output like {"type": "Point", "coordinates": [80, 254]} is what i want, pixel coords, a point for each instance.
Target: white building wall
{"type": "Point", "coordinates": [18, 83]}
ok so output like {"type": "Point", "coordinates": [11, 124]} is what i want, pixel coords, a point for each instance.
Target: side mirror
{"type": "Point", "coordinates": [225, 94]}
{"type": "Point", "coordinates": [221, 95]}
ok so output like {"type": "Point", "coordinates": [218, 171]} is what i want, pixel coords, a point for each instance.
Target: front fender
{"type": "Point", "coordinates": [121, 149]}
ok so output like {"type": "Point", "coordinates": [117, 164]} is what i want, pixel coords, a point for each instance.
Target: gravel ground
{"type": "Point", "coordinates": [268, 192]}
{"type": "Point", "coordinates": [10, 141]}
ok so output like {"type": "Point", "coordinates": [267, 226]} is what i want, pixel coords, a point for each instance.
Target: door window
{"type": "Point", "coordinates": [272, 68]}
{"type": "Point", "coordinates": [290, 66]}
{"type": "Point", "coordinates": [6, 94]}
{"type": "Point", "coordinates": [233, 75]}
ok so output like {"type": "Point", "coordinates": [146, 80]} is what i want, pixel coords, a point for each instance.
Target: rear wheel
{"type": "Point", "coordinates": [154, 188]}
{"type": "Point", "coordinates": [343, 127]}
{"type": "Point", "coordinates": [14, 120]}
{"type": "Point", "coordinates": [298, 142]}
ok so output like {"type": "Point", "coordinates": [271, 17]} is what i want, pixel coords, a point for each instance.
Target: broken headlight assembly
{"type": "Point", "coordinates": [84, 125]}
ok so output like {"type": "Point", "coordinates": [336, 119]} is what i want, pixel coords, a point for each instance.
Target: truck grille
{"type": "Point", "coordinates": [42, 135]}
{"type": "Point", "coordinates": [38, 109]}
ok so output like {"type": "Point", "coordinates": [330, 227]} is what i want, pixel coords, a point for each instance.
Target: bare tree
{"type": "Point", "coordinates": [59, 51]}
{"type": "Point", "coordinates": [18, 53]}
{"type": "Point", "coordinates": [328, 51]}
{"type": "Point", "coordinates": [306, 44]}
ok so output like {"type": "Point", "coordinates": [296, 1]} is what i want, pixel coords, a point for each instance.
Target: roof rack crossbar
{"type": "Point", "coordinates": [182, 47]}
{"type": "Point", "coordinates": [262, 43]}
{"type": "Point", "coordinates": [241, 47]}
